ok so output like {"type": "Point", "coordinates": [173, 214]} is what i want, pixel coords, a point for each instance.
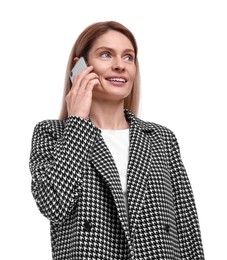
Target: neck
{"type": "Point", "coordinates": [108, 116]}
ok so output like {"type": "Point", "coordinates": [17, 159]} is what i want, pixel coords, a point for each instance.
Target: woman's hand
{"type": "Point", "coordinates": [79, 98]}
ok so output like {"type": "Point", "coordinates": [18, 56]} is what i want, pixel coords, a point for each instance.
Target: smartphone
{"type": "Point", "coordinates": [78, 68]}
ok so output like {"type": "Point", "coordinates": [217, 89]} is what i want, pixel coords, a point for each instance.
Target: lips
{"type": "Point", "coordinates": [116, 79]}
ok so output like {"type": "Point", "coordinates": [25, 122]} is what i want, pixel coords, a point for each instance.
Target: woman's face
{"type": "Point", "coordinates": [113, 58]}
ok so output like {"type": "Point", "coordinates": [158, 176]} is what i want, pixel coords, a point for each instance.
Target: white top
{"type": "Point", "coordinates": [118, 143]}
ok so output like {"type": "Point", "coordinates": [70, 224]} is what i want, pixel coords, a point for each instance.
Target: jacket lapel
{"type": "Point", "coordinates": [138, 168]}
{"type": "Point", "coordinates": [104, 163]}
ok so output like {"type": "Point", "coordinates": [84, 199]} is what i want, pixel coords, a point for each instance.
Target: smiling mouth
{"type": "Point", "coordinates": [120, 80]}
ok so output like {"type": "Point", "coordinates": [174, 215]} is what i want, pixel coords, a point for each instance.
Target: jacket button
{"type": "Point", "coordinates": [87, 225]}
{"type": "Point", "coordinates": [167, 228]}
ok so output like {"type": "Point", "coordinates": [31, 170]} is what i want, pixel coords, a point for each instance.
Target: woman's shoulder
{"type": "Point", "coordinates": [48, 123]}
{"type": "Point", "coordinates": [155, 127]}
{"type": "Point", "coordinates": [54, 127]}
{"type": "Point", "coordinates": [159, 132]}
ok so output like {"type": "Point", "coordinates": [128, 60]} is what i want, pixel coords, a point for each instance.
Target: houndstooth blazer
{"type": "Point", "coordinates": [76, 185]}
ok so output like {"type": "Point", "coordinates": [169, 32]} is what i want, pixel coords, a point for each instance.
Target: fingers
{"type": "Point", "coordinates": [84, 79]}
{"type": "Point", "coordinates": [80, 77]}
{"type": "Point", "coordinates": [79, 98]}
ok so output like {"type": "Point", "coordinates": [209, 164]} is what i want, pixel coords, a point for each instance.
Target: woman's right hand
{"type": "Point", "coordinates": [79, 98]}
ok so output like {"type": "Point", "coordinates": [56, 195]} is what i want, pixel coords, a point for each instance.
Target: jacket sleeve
{"type": "Point", "coordinates": [57, 162]}
{"type": "Point", "coordinates": [186, 214]}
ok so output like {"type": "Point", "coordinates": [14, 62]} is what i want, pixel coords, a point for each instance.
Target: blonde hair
{"type": "Point", "coordinates": [82, 47]}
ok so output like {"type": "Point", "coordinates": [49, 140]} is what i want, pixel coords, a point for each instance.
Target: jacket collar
{"type": "Point", "coordinates": [133, 120]}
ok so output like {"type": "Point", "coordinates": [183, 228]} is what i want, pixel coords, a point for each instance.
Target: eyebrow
{"type": "Point", "coordinates": [110, 49]}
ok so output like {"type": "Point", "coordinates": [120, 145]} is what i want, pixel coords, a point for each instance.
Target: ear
{"type": "Point", "coordinates": [75, 60]}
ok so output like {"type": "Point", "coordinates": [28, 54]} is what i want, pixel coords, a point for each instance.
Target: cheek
{"type": "Point", "coordinates": [133, 74]}
{"type": "Point", "coordinates": [99, 68]}
{"type": "Point", "coordinates": [132, 71]}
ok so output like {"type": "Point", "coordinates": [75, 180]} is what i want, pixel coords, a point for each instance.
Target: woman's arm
{"type": "Point", "coordinates": [186, 214]}
{"type": "Point", "coordinates": [57, 163]}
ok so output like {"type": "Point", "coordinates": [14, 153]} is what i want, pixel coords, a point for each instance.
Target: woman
{"type": "Point", "coordinates": [112, 185]}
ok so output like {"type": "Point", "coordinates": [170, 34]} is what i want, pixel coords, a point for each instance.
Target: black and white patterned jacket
{"type": "Point", "coordinates": [77, 187]}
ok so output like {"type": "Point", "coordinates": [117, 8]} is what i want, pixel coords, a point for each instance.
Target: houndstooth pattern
{"type": "Point", "coordinates": [76, 185]}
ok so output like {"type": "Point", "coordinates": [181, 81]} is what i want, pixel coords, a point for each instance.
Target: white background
{"type": "Point", "coordinates": [183, 60]}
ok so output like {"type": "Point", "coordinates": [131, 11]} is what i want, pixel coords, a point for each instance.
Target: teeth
{"type": "Point", "coordinates": [117, 80]}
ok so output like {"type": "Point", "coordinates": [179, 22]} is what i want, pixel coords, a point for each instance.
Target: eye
{"type": "Point", "coordinates": [129, 58]}
{"type": "Point", "coordinates": [105, 55]}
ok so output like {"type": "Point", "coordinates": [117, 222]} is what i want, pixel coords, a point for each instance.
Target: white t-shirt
{"type": "Point", "coordinates": [118, 143]}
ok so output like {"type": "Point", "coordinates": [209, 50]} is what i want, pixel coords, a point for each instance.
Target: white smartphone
{"type": "Point", "coordinates": [78, 68]}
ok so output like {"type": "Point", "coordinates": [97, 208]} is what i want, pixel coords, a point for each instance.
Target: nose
{"type": "Point", "coordinates": [118, 64]}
